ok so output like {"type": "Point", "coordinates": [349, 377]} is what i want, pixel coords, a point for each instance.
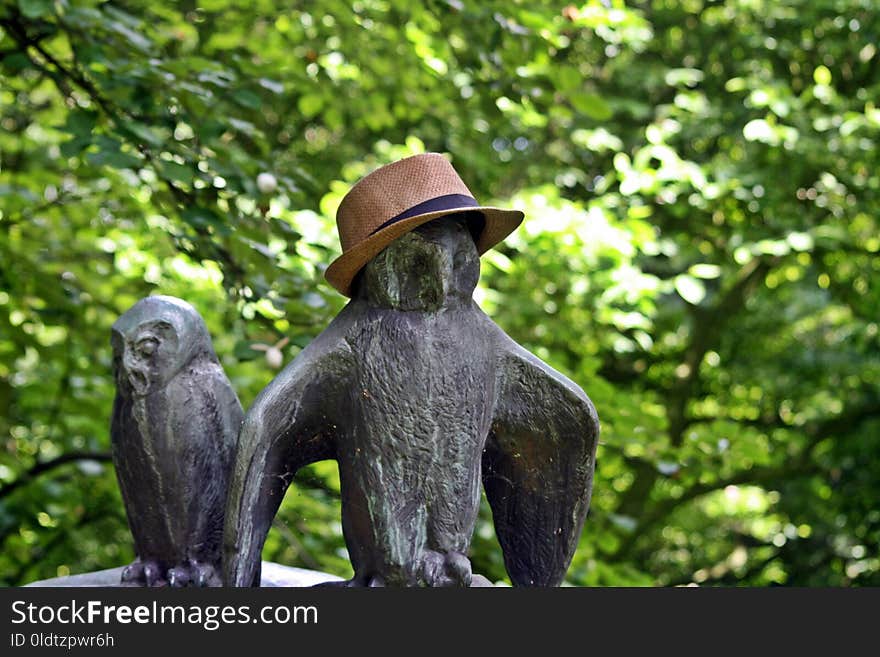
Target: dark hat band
{"type": "Point", "coordinates": [438, 204]}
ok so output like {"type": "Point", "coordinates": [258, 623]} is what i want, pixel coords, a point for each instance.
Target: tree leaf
{"type": "Point", "coordinates": [272, 85]}
{"type": "Point", "coordinates": [310, 104]}
{"type": "Point", "coordinates": [143, 133]}
{"type": "Point", "coordinates": [691, 289]}
{"type": "Point", "coordinates": [179, 173]}
{"type": "Point", "coordinates": [593, 105]}
{"type": "Point", "coordinates": [244, 352]}
{"type": "Point", "coordinates": [203, 217]}
{"type": "Point", "coordinates": [247, 99]}
{"type": "Point", "coordinates": [35, 8]}
{"type": "Point", "coordinates": [81, 123]}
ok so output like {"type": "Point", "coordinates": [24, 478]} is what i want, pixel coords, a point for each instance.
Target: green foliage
{"type": "Point", "coordinates": [700, 251]}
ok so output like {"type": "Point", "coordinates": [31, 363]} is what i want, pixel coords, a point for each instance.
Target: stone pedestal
{"type": "Point", "coordinates": [273, 575]}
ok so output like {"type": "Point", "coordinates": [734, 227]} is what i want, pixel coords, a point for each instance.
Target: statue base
{"type": "Point", "coordinates": [273, 575]}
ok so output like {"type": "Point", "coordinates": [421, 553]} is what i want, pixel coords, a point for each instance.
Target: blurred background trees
{"type": "Point", "coordinates": [701, 250]}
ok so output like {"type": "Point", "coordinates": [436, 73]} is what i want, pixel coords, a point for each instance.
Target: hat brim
{"type": "Point", "coordinates": [499, 224]}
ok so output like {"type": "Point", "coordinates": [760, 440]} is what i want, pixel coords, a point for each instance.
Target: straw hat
{"type": "Point", "coordinates": [399, 197]}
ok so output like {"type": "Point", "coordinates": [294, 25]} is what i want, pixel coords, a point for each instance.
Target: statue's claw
{"type": "Point", "coordinates": [443, 569]}
{"type": "Point", "coordinates": [152, 573]}
{"type": "Point", "coordinates": [194, 573]}
{"type": "Point", "coordinates": [143, 573]}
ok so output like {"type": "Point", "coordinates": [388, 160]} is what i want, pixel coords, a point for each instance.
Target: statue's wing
{"type": "Point", "coordinates": [538, 465]}
{"type": "Point", "coordinates": [173, 477]}
{"type": "Point", "coordinates": [205, 420]}
{"type": "Point", "coordinates": [292, 423]}
{"type": "Point", "coordinates": [131, 473]}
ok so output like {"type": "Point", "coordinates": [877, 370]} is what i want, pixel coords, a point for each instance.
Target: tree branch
{"type": "Point", "coordinates": [707, 324]}
{"type": "Point", "coordinates": [726, 578]}
{"type": "Point", "coordinates": [297, 545]}
{"type": "Point", "coordinates": [58, 539]}
{"type": "Point", "coordinates": [47, 466]}
{"type": "Point", "coordinates": [799, 466]}
{"type": "Point", "coordinates": [65, 75]}
{"type": "Point", "coordinates": [765, 423]}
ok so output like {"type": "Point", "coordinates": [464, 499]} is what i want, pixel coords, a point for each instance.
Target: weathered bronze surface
{"type": "Point", "coordinates": [419, 396]}
{"type": "Point", "coordinates": [174, 428]}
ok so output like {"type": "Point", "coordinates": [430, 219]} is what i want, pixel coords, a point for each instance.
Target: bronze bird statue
{"type": "Point", "coordinates": [173, 432]}
{"type": "Point", "coordinates": [419, 397]}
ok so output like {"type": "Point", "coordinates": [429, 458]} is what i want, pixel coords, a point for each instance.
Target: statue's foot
{"type": "Point", "coordinates": [443, 569]}
{"type": "Point", "coordinates": [193, 573]}
{"type": "Point", "coordinates": [143, 573]}
{"type": "Point", "coordinates": [433, 569]}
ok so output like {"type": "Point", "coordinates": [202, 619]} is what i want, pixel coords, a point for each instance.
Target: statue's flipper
{"type": "Point", "coordinates": [538, 466]}
{"type": "Point", "coordinates": [290, 425]}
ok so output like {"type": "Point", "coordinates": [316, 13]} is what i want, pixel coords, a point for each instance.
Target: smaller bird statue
{"type": "Point", "coordinates": [173, 432]}
{"type": "Point", "coordinates": [419, 396]}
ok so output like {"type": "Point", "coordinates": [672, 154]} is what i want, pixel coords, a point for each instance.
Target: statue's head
{"type": "Point", "coordinates": [400, 215]}
{"type": "Point", "coordinates": [434, 266]}
{"type": "Point", "coordinates": [153, 341]}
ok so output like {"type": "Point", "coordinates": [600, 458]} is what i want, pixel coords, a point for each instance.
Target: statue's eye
{"type": "Point", "coordinates": [147, 347]}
